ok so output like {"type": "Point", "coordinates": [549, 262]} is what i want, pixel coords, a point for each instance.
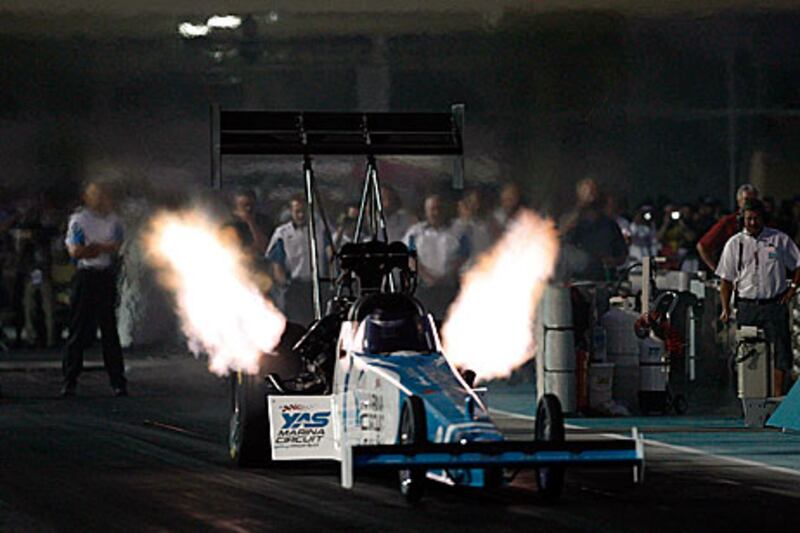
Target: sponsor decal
{"type": "Point", "coordinates": [306, 420]}
{"type": "Point", "coordinates": [371, 421]}
{"type": "Point", "coordinates": [369, 411]}
{"type": "Point", "coordinates": [302, 429]}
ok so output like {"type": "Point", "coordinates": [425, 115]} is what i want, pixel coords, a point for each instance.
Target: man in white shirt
{"type": "Point", "coordinates": [440, 255]}
{"type": "Point", "coordinates": [290, 254]}
{"type": "Point", "coordinates": [94, 237]}
{"type": "Point", "coordinates": [470, 225]}
{"type": "Point", "coordinates": [510, 203]}
{"type": "Point", "coordinates": [398, 220]}
{"type": "Point", "coordinates": [755, 261]}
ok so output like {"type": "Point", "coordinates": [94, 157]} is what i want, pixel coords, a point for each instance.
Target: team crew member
{"type": "Point", "coordinates": [755, 262]}
{"type": "Point", "coordinates": [470, 225]}
{"type": "Point", "coordinates": [290, 254]}
{"type": "Point", "coordinates": [440, 255]}
{"type": "Point", "coordinates": [250, 227]}
{"type": "Point", "coordinates": [593, 243]}
{"type": "Point", "coordinates": [710, 244]}
{"type": "Point", "coordinates": [398, 220]}
{"type": "Point", "coordinates": [94, 237]}
{"type": "Point", "coordinates": [510, 204]}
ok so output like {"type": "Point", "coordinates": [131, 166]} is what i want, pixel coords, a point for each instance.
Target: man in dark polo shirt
{"type": "Point", "coordinates": [251, 228]}
{"type": "Point", "coordinates": [593, 234]}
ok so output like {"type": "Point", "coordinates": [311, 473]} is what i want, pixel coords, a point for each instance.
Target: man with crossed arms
{"type": "Point", "coordinates": [755, 261]}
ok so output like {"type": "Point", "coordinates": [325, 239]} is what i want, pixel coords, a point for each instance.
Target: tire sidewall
{"type": "Point", "coordinates": [412, 481]}
{"type": "Point", "coordinates": [252, 447]}
{"type": "Point", "coordinates": [550, 428]}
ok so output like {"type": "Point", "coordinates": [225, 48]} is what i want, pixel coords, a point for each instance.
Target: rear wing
{"type": "Point", "coordinates": [309, 133]}
{"type": "Point", "coordinates": [323, 133]}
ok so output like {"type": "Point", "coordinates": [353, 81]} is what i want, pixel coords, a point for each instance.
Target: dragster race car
{"type": "Point", "coordinates": [391, 399]}
{"type": "Point", "coordinates": [367, 383]}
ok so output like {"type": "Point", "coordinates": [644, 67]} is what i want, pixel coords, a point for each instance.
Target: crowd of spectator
{"type": "Point", "coordinates": [691, 235]}
{"type": "Point", "coordinates": [448, 230]}
{"type": "Point", "coordinates": [35, 272]}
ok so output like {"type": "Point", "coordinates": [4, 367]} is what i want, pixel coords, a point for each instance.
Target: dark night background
{"type": "Point", "coordinates": [654, 102]}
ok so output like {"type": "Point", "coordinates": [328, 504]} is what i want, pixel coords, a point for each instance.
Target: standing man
{"type": "Point", "coordinates": [440, 255]}
{"type": "Point", "coordinates": [94, 237]}
{"type": "Point", "coordinates": [510, 204]}
{"type": "Point", "coordinates": [250, 227]}
{"type": "Point", "coordinates": [35, 264]}
{"type": "Point", "coordinates": [290, 253]}
{"type": "Point", "coordinates": [754, 262]}
{"type": "Point", "coordinates": [594, 241]}
{"type": "Point", "coordinates": [398, 219]}
{"type": "Point", "coordinates": [471, 225]}
{"type": "Point", "coordinates": [710, 244]}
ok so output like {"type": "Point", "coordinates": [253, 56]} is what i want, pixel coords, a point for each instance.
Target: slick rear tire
{"type": "Point", "coordinates": [413, 430]}
{"type": "Point", "coordinates": [549, 427]}
{"type": "Point", "coordinates": [248, 438]}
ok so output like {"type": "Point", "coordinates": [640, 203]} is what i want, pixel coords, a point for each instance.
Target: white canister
{"type": "Point", "coordinates": [563, 385]}
{"type": "Point", "coordinates": [559, 350]}
{"type": "Point", "coordinates": [557, 307]}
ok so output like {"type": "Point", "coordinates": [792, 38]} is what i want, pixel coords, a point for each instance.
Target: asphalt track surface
{"type": "Point", "coordinates": [158, 461]}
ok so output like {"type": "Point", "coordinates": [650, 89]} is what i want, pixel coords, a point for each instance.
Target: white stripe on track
{"type": "Point", "coordinates": [674, 447]}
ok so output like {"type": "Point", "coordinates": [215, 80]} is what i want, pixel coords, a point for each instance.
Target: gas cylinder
{"type": "Point", "coordinates": [653, 373]}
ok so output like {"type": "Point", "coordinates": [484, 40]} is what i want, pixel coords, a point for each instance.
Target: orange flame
{"type": "Point", "coordinates": [489, 327]}
{"type": "Point", "coordinates": [221, 309]}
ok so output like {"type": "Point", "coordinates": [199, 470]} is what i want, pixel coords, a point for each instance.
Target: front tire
{"type": "Point", "coordinates": [413, 430]}
{"type": "Point", "coordinates": [549, 427]}
{"type": "Point", "coordinates": [679, 404]}
{"type": "Point", "coordinates": [248, 438]}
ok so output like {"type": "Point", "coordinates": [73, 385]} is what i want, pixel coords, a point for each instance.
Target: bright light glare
{"type": "Point", "coordinates": [489, 327]}
{"type": "Point", "coordinates": [224, 22]}
{"type": "Point", "coordinates": [222, 311]}
{"type": "Point", "coordinates": [190, 31]}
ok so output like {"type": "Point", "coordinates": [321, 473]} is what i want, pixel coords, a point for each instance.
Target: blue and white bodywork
{"type": "Point", "coordinates": [388, 360]}
{"type": "Point", "coordinates": [373, 387]}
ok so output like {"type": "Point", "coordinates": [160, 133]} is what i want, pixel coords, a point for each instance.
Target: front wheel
{"type": "Point", "coordinates": [248, 438]}
{"type": "Point", "coordinates": [413, 430]}
{"type": "Point", "coordinates": [680, 404]}
{"type": "Point", "coordinates": [549, 427]}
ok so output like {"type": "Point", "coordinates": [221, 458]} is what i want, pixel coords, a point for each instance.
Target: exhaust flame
{"type": "Point", "coordinates": [489, 327]}
{"type": "Point", "coordinates": [221, 309]}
